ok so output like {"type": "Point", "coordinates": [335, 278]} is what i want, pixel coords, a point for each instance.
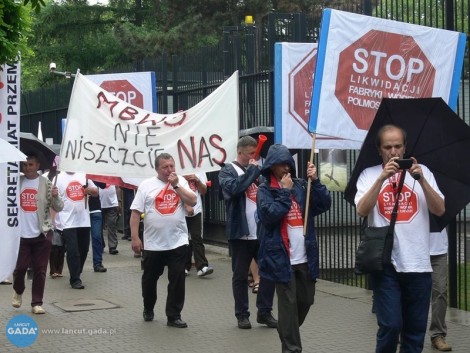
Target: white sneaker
{"type": "Point", "coordinates": [16, 300]}
{"type": "Point", "coordinates": [186, 272]}
{"type": "Point", "coordinates": [37, 310]}
{"type": "Point", "coordinates": [206, 270]}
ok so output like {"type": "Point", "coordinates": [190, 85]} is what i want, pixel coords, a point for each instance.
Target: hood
{"type": "Point", "coordinates": [278, 154]}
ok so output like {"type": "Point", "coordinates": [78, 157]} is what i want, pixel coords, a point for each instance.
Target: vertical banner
{"type": "Point", "coordinates": [9, 171]}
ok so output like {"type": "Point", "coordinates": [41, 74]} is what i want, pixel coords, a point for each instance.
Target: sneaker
{"type": "Point", "coordinates": [100, 268]}
{"type": "Point", "coordinates": [267, 319]}
{"type": "Point", "coordinates": [206, 270]}
{"type": "Point", "coordinates": [16, 300]}
{"type": "Point", "coordinates": [186, 273]}
{"type": "Point", "coordinates": [148, 315]}
{"type": "Point", "coordinates": [244, 323]}
{"type": "Point", "coordinates": [113, 251]}
{"type": "Point", "coordinates": [440, 344]}
{"type": "Point", "coordinates": [37, 310]}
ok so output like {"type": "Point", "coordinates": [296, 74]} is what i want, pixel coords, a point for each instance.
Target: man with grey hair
{"type": "Point", "coordinates": [161, 200]}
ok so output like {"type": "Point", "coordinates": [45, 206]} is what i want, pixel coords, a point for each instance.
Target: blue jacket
{"type": "Point", "coordinates": [233, 189]}
{"type": "Point", "coordinates": [273, 205]}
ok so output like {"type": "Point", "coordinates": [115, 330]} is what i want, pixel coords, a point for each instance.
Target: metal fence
{"type": "Point", "coordinates": [184, 80]}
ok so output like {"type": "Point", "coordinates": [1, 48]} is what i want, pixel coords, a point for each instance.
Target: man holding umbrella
{"type": "Point", "coordinates": [402, 290]}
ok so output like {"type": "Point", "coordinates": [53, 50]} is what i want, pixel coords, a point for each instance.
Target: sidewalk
{"type": "Point", "coordinates": [340, 321]}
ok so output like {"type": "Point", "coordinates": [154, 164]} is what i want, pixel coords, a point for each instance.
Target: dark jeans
{"type": "Point", "coordinates": [77, 242]}
{"type": "Point", "coordinates": [294, 301]}
{"type": "Point", "coordinates": [243, 251]}
{"type": "Point", "coordinates": [34, 252]}
{"type": "Point", "coordinates": [196, 244]}
{"type": "Point", "coordinates": [97, 245]}
{"type": "Point", "coordinates": [402, 305]}
{"type": "Point", "coordinates": [154, 263]}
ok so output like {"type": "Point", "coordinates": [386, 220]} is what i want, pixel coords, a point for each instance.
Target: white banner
{"type": "Point", "coordinates": [362, 59]}
{"type": "Point", "coordinates": [10, 88]}
{"type": "Point", "coordinates": [107, 136]}
{"type": "Point", "coordinates": [136, 88]}
{"type": "Point", "coordinates": [294, 67]}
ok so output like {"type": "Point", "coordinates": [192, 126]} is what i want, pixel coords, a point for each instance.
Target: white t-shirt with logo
{"type": "Point", "coordinates": [193, 186]}
{"type": "Point", "coordinates": [75, 213]}
{"type": "Point", "coordinates": [250, 206]}
{"type": "Point", "coordinates": [29, 221]}
{"type": "Point", "coordinates": [295, 231]}
{"type": "Point", "coordinates": [164, 221]}
{"type": "Point", "coordinates": [108, 196]}
{"type": "Point", "coordinates": [411, 241]}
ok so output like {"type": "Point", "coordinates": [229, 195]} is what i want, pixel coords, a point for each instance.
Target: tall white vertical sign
{"type": "Point", "coordinates": [9, 172]}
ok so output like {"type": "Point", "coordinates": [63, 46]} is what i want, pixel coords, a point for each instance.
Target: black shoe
{"type": "Point", "coordinates": [177, 323]}
{"type": "Point", "coordinates": [266, 319]}
{"type": "Point", "coordinates": [148, 315]}
{"type": "Point", "coordinates": [244, 323]}
{"type": "Point", "coordinates": [126, 237]}
{"type": "Point", "coordinates": [100, 268]}
{"type": "Point", "coordinates": [113, 251]}
{"type": "Point", "coordinates": [78, 285]}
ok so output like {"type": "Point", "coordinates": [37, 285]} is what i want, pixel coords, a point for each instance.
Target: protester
{"type": "Point", "coordinates": [37, 196]}
{"type": "Point", "coordinates": [165, 243]}
{"type": "Point", "coordinates": [238, 181]}
{"type": "Point", "coordinates": [110, 213]}
{"type": "Point", "coordinates": [438, 328]}
{"type": "Point", "coordinates": [198, 183]}
{"type": "Point", "coordinates": [402, 290]}
{"type": "Point", "coordinates": [286, 256]}
{"type": "Point", "coordinates": [74, 221]}
{"type": "Point", "coordinates": [96, 230]}
{"type": "Point", "coordinates": [127, 196]}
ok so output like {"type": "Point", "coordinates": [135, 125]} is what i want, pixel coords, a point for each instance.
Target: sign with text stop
{"type": "Point", "coordinates": [377, 65]}
{"type": "Point", "coordinates": [363, 59]}
{"type": "Point", "coordinates": [136, 88]}
{"type": "Point", "coordinates": [124, 90]}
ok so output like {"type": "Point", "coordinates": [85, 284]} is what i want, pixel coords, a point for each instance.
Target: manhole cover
{"type": "Point", "coordinates": [85, 305]}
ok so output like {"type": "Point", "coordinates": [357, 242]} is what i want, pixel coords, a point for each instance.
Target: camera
{"type": "Point", "coordinates": [52, 66]}
{"type": "Point", "coordinates": [404, 163]}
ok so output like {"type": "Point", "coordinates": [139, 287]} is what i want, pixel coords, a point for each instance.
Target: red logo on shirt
{"type": "Point", "coordinates": [167, 203]}
{"type": "Point", "coordinates": [251, 192]}
{"type": "Point", "coordinates": [28, 200]}
{"type": "Point", "coordinates": [294, 216]}
{"type": "Point", "coordinates": [75, 191]}
{"type": "Point", "coordinates": [408, 206]}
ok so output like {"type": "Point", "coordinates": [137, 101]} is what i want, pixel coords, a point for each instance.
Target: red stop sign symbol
{"type": "Point", "coordinates": [28, 200]}
{"type": "Point", "coordinates": [408, 206]}
{"type": "Point", "coordinates": [300, 88]}
{"type": "Point", "coordinates": [167, 203]}
{"type": "Point", "coordinates": [381, 65]}
{"type": "Point", "coordinates": [125, 91]}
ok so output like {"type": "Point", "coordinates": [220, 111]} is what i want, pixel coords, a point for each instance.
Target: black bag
{"type": "Point", "coordinates": [375, 248]}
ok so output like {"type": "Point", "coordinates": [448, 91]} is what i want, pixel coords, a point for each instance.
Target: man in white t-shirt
{"type": "Point", "coordinates": [110, 211]}
{"type": "Point", "coordinates": [402, 290]}
{"type": "Point", "coordinates": [74, 221]}
{"type": "Point", "coordinates": [161, 200]}
{"type": "Point", "coordinates": [37, 197]}
{"type": "Point", "coordinates": [198, 183]}
{"type": "Point", "coordinates": [238, 181]}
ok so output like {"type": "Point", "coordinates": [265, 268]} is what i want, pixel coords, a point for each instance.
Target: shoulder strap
{"type": "Point", "coordinates": [239, 166]}
{"type": "Point", "coordinates": [395, 208]}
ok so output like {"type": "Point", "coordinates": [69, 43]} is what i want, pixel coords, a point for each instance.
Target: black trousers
{"type": "Point", "coordinates": [243, 251]}
{"type": "Point", "coordinates": [154, 263]}
{"type": "Point", "coordinates": [294, 301]}
{"type": "Point", "coordinates": [196, 244]}
{"type": "Point", "coordinates": [77, 243]}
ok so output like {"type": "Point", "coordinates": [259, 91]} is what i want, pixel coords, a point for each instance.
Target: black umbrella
{"type": "Point", "coordinates": [31, 144]}
{"type": "Point", "coordinates": [436, 137]}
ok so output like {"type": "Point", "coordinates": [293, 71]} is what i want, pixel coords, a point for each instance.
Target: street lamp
{"type": "Point", "coordinates": [53, 70]}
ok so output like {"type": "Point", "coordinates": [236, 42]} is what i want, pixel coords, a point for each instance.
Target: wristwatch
{"type": "Point", "coordinates": [176, 186]}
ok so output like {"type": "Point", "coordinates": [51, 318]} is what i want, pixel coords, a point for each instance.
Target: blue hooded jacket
{"type": "Point", "coordinates": [273, 205]}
